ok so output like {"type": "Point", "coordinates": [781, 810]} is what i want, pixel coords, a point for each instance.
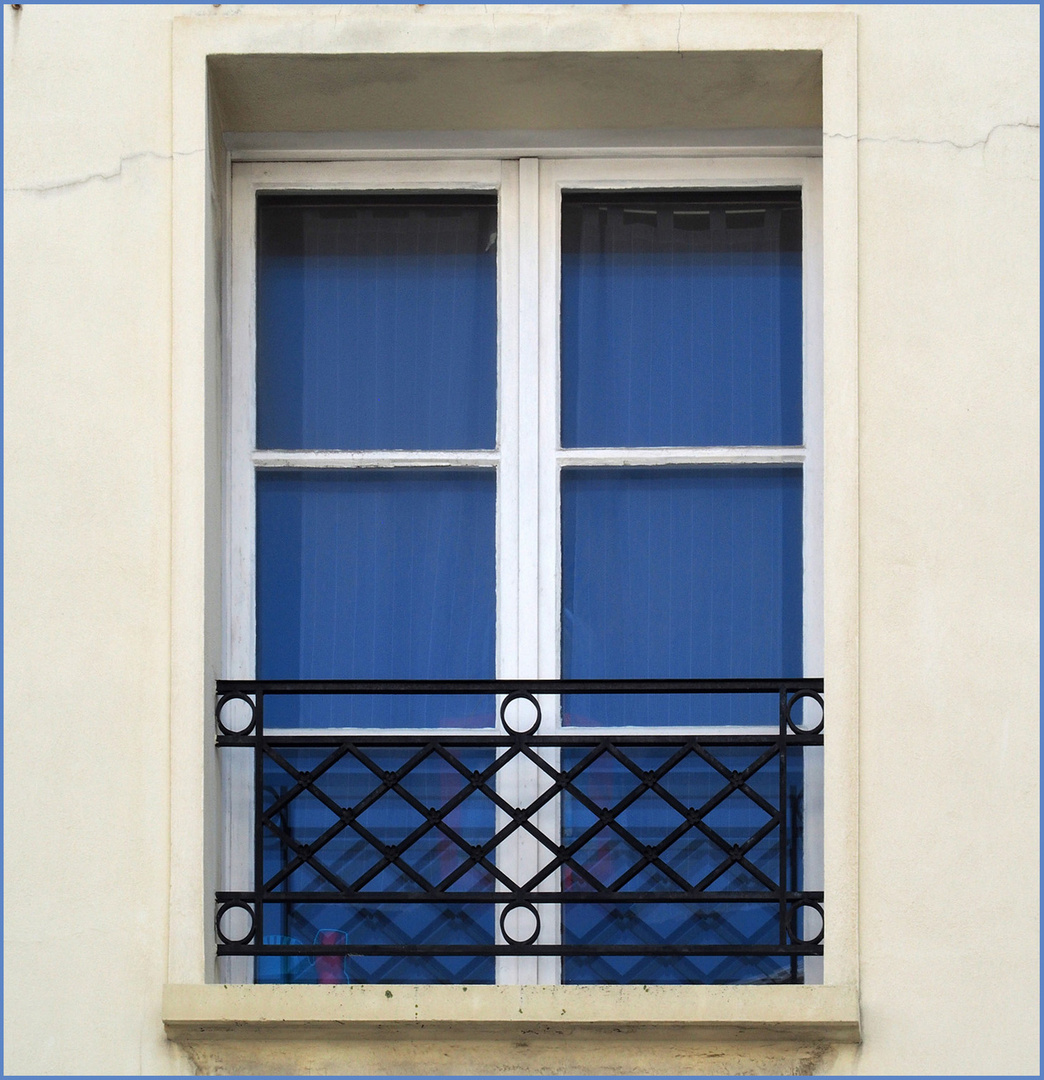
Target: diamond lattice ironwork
{"type": "Point", "coordinates": [668, 857]}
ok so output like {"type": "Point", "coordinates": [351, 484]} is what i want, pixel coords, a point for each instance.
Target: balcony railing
{"type": "Point", "coordinates": [673, 855]}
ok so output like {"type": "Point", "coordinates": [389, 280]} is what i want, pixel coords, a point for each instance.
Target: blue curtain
{"type": "Point", "coordinates": [376, 330]}
{"type": "Point", "coordinates": [681, 325]}
{"type": "Point", "coordinates": [680, 573]}
{"type": "Point", "coordinates": [681, 319]}
{"type": "Point", "coordinates": [376, 322]}
{"type": "Point", "coordinates": [376, 574]}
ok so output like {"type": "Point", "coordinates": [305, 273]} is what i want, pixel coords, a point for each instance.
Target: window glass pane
{"type": "Point", "coordinates": [681, 319]}
{"type": "Point", "coordinates": [383, 574]}
{"type": "Point", "coordinates": [376, 322]}
{"type": "Point", "coordinates": [680, 573]}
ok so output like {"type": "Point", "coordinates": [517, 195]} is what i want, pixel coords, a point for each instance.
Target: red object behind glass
{"type": "Point", "coordinates": [331, 969]}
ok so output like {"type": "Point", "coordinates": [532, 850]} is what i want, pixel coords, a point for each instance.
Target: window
{"type": "Point", "coordinates": [526, 421]}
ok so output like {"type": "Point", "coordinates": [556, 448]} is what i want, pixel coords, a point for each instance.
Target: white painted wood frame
{"type": "Point", "coordinates": [242, 460]}
{"type": "Point", "coordinates": [693, 174]}
{"type": "Point", "coordinates": [528, 457]}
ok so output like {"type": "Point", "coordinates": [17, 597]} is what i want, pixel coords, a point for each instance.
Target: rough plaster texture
{"type": "Point", "coordinates": [949, 389]}
{"type": "Point", "coordinates": [621, 1052]}
{"type": "Point", "coordinates": [948, 427]}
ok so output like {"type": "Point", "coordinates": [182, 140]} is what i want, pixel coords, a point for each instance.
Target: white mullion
{"type": "Point", "coordinates": [550, 496]}
{"type": "Point", "coordinates": [529, 404]}
{"type": "Point", "coordinates": [522, 855]}
{"type": "Point", "coordinates": [373, 459]}
{"type": "Point", "coordinates": [508, 589]}
{"type": "Point", "coordinates": [681, 455]}
{"type": "Point", "coordinates": [550, 551]}
{"type": "Point", "coordinates": [508, 425]}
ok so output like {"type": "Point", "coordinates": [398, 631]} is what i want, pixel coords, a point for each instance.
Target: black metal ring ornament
{"type": "Point", "coordinates": [223, 701]}
{"type": "Point", "coordinates": [515, 695]}
{"type": "Point", "coordinates": [792, 928]}
{"type": "Point", "coordinates": [793, 701]}
{"type": "Point", "coordinates": [223, 911]}
{"type": "Point", "coordinates": [528, 907]}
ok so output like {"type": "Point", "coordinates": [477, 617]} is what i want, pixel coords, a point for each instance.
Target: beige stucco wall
{"type": "Point", "coordinates": [948, 392]}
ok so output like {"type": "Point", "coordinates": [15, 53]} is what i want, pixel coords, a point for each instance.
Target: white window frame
{"type": "Point", "coordinates": [528, 457]}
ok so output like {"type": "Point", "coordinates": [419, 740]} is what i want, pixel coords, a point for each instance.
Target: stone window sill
{"type": "Point", "coordinates": [194, 1013]}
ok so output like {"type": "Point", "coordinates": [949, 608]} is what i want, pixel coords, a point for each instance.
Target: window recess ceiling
{"type": "Point", "coordinates": [720, 91]}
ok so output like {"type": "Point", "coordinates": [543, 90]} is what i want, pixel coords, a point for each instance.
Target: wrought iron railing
{"type": "Point", "coordinates": [681, 851]}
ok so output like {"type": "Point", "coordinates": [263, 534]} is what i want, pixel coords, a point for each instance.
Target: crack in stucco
{"type": "Point", "coordinates": [79, 181]}
{"type": "Point", "coordinates": [491, 13]}
{"type": "Point", "coordinates": [63, 185]}
{"type": "Point", "coordinates": [933, 142]}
